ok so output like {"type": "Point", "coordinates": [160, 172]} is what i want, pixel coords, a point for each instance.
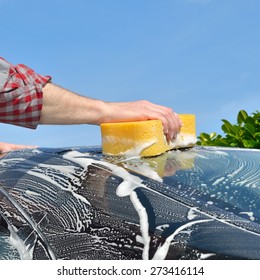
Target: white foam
{"type": "Point", "coordinates": [218, 181]}
{"type": "Point", "coordinates": [192, 214]}
{"type": "Point", "coordinates": [162, 251]}
{"type": "Point", "coordinates": [206, 256]}
{"type": "Point", "coordinates": [25, 252]}
{"type": "Point", "coordinates": [183, 140]}
{"type": "Point", "coordinates": [144, 169]}
{"type": "Point", "coordinates": [136, 149]}
{"type": "Point", "coordinates": [249, 214]}
{"type": "Point", "coordinates": [144, 224]}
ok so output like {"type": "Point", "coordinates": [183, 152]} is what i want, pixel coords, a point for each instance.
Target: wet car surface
{"type": "Point", "coordinates": [75, 203]}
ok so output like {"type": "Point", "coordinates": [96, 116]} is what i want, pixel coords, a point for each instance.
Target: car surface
{"type": "Point", "coordinates": [75, 203]}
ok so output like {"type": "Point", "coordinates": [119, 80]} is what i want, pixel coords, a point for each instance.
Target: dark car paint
{"type": "Point", "coordinates": [75, 203]}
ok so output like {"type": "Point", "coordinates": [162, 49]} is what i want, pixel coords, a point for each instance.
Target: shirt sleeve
{"type": "Point", "coordinates": [20, 94]}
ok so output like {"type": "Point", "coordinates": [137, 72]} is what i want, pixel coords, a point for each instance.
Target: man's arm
{"type": "Point", "coordinates": [7, 147]}
{"type": "Point", "coordinates": [28, 99]}
{"type": "Point", "coordinates": [61, 106]}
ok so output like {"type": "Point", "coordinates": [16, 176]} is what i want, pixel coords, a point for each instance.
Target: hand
{"type": "Point", "coordinates": [144, 110]}
{"type": "Point", "coordinates": [7, 147]}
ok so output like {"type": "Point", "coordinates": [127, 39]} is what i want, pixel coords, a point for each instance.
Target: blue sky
{"type": "Point", "coordinates": [196, 56]}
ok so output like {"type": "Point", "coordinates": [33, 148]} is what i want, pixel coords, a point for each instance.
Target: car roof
{"type": "Point", "coordinates": [204, 199]}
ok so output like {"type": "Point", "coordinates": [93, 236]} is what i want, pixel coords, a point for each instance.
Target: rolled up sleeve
{"type": "Point", "coordinates": [4, 72]}
{"type": "Point", "coordinates": [20, 94]}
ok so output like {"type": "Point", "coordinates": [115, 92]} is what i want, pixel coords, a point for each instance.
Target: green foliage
{"type": "Point", "coordinates": [245, 133]}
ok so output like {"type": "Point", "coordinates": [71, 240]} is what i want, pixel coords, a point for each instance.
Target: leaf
{"type": "Point", "coordinates": [257, 136]}
{"type": "Point", "coordinates": [212, 135]}
{"type": "Point", "coordinates": [204, 137]}
{"type": "Point", "coordinates": [257, 122]}
{"type": "Point", "coordinates": [250, 144]}
{"type": "Point", "coordinates": [241, 117]}
{"type": "Point", "coordinates": [250, 128]}
{"type": "Point", "coordinates": [234, 144]}
{"type": "Point", "coordinates": [228, 128]}
{"type": "Point", "coordinates": [250, 120]}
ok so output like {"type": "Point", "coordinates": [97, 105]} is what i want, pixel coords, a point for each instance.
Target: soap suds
{"type": "Point", "coordinates": [183, 140]}
{"type": "Point", "coordinates": [249, 214]}
{"type": "Point", "coordinates": [162, 251]}
{"type": "Point", "coordinates": [25, 251]}
{"type": "Point", "coordinates": [143, 169]}
{"type": "Point", "coordinates": [136, 149]}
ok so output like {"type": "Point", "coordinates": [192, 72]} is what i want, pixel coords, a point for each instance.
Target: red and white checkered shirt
{"type": "Point", "coordinates": [20, 94]}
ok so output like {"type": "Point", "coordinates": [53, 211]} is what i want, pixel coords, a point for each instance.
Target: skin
{"type": "Point", "coordinates": [61, 106]}
{"type": "Point", "coordinates": [7, 147]}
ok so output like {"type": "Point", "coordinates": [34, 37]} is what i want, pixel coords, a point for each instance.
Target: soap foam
{"type": "Point", "coordinates": [25, 251]}
{"type": "Point", "coordinates": [136, 149]}
{"type": "Point", "coordinates": [183, 140]}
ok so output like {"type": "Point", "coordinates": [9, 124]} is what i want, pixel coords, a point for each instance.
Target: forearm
{"type": "Point", "coordinates": [61, 106]}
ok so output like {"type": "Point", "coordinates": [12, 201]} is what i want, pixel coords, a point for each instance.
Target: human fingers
{"type": "Point", "coordinates": [170, 120]}
{"type": "Point", "coordinates": [7, 147]}
{"type": "Point", "coordinates": [174, 126]}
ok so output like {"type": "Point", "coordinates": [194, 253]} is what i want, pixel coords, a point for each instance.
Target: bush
{"type": "Point", "coordinates": [245, 133]}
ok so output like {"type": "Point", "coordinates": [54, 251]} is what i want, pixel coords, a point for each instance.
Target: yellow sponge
{"type": "Point", "coordinates": [145, 138]}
